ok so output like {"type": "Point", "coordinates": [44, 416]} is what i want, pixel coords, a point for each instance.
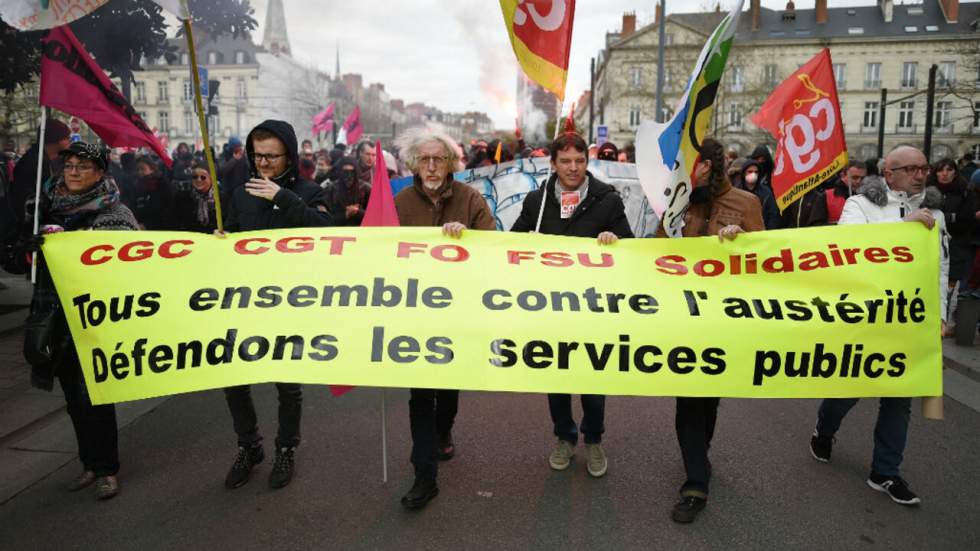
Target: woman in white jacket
{"type": "Point", "coordinates": [901, 196]}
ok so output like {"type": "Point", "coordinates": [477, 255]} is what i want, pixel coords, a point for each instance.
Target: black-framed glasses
{"type": "Point", "coordinates": [80, 167]}
{"type": "Point", "coordinates": [436, 160]}
{"type": "Point", "coordinates": [911, 169]}
{"type": "Point", "coordinates": [267, 157]}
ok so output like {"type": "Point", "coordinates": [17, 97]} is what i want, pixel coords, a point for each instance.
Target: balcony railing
{"type": "Point", "coordinates": [872, 84]}
{"type": "Point", "coordinates": [869, 129]}
{"type": "Point", "coordinates": [909, 84]}
{"type": "Point", "coordinates": [907, 129]}
{"type": "Point", "coordinates": [945, 129]}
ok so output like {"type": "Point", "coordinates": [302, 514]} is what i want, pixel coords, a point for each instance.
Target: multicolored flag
{"type": "Point", "coordinates": [73, 82]}
{"type": "Point", "coordinates": [34, 15]}
{"type": "Point", "coordinates": [541, 34]}
{"type": "Point", "coordinates": [667, 153]}
{"type": "Point", "coordinates": [803, 115]}
{"type": "Point", "coordinates": [352, 128]}
{"type": "Point", "coordinates": [380, 212]}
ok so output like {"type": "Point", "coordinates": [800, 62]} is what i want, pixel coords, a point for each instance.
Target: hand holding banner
{"type": "Point", "coordinates": [803, 115]}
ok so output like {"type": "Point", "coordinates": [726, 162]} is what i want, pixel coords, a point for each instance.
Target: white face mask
{"type": "Point", "coordinates": [751, 177]}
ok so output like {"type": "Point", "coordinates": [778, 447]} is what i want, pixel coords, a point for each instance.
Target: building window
{"type": "Point", "coordinates": [636, 77]}
{"type": "Point", "coordinates": [666, 113]}
{"type": "Point", "coordinates": [909, 70]}
{"type": "Point", "coordinates": [736, 81]}
{"type": "Point", "coordinates": [634, 116]}
{"type": "Point", "coordinates": [188, 90]}
{"type": "Point", "coordinates": [941, 151]}
{"type": "Point", "coordinates": [164, 121]}
{"type": "Point", "coordinates": [735, 116]}
{"type": "Point", "coordinates": [185, 59]}
{"type": "Point", "coordinates": [946, 75]}
{"type": "Point", "coordinates": [140, 91]}
{"type": "Point", "coordinates": [870, 115]}
{"type": "Point", "coordinates": [944, 111]}
{"type": "Point", "coordinates": [839, 75]}
{"type": "Point", "coordinates": [905, 112]}
{"type": "Point", "coordinates": [241, 88]}
{"type": "Point", "coordinates": [188, 123]}
{"type": "Point", "coordinates": [668, 39]}
{"type": "Point", "coordinates": [868, 151]}
{"type": "Point", "coordinates": [872, 76]}
{"type": "Point", "coordinates": [976, 117]}
{"type": "Point", "coordinates": [769, 74]}
{"type": "Point", "coordinates": [163, 91]}
{"type": "Point", "coordinates": [241, 58]}
{"type": "Point", "coordinates": [216, 58]}
{"type": "Point", "coordinates": [141, 115]}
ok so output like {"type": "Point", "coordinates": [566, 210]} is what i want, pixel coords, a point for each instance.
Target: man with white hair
{"type": "Point", "coordinates": [435, 199]}
{"type": "Point", "coordinates": [904, 198]}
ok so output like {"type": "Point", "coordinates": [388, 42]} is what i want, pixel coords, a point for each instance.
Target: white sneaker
{"type": "Point", "coordinates": [561, 456]}
{"type": "Point", "coordinates": [596, 462]}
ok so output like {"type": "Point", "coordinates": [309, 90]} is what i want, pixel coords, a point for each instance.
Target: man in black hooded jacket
{"type": "Point", "coordinates": [274, 197]}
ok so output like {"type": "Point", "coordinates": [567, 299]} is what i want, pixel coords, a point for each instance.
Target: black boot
{"type": "Point", "coordinates": [421, 493]}
{"type": "Point", "coordinates": [244, 461]}
{"type": "Point", "coordinates": [282, 468]}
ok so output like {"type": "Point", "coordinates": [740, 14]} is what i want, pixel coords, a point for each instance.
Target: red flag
{"type": "Point", "coordinates": [803, 115]}
{"type": "Point", "coordinates": [352, 126]}
{"type": "Point", "coordinates": [73, 82]}
{"type": "Point", "coordinates": [323, 121]}
{"type": "Point", "coordinates": [541, 35]}
{"type": "Point", "coordinates": [380, 212]}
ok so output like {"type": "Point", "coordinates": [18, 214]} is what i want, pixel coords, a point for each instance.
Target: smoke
{"type": "Point", "coordinates": [498, 68]}
{"type": "Point", "coordinates": [534, 121]}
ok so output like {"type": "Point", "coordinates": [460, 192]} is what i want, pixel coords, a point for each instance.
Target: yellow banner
{"type": "Point", "coordinates": [820, 312]}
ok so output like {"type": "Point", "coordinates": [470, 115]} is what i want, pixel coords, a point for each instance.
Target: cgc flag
{"type": "Point", "coordinates": [803, 115]}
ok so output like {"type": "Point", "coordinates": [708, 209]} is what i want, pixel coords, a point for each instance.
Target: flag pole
{"type": "Point", "coordinates": [216, 192]}
{"type": "Point", "coordinates": [37, 187]}
{"type": "Point", "coordinates": [384, 438]}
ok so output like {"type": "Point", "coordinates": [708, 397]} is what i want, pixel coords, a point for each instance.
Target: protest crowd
{"type": "Point", "coordinates": [271, 180]}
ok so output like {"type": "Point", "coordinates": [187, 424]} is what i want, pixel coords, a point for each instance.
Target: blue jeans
{"type": "Point", "coordinates": [891, 430]}
{"type": "Point", "coordinates": [593, 417]}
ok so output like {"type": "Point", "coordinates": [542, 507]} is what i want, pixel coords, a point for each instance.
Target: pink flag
{"type": "Point", "coordinates": [72, 82]}
{"type": "Point", "coordinates": [323, 121]}
{"type": "Point", "coordinates": [352, 126]}
{"type": "Point", "coordinates": [380, 213]}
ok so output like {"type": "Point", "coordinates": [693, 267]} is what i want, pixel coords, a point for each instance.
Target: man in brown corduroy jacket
{"type": "Point", "coordinates": [435, 199]}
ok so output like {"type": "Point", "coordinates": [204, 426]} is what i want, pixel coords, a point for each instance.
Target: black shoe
{"type": "Point", "coordinates": [244, 461]}
{"type": "Point", "coordinates": [446, 447]}
{"type": "Point", "coordinates": [421, 493]}
{"type": "Point", "coordinates": [687, 509]}
{"type": "Point", "coordinates": [895, 487]}
{"type": "Point", "coordinates": [821, 447]}
{"type": "Point", "coordinates": [282, 468]}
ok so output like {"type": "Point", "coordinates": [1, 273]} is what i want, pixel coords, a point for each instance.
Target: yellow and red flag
{"type": "Point", "coordinates": [541, 35]}
{"type": "Point", "coordinates": [803, 114]}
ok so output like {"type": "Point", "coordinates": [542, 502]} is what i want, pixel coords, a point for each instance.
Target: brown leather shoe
{"type": "Point", "coordinates": [81, 481]}
{"type": "Point", "coordinates": [106, 487]}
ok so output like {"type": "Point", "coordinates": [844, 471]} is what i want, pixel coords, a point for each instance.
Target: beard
{"type": "Point", "coordinates": [431, 185]}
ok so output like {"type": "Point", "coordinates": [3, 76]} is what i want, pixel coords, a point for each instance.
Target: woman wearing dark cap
{"type": "Point", "coordinates": [608, 152]}
{"type": "Point", "coordinates": [84, 198]}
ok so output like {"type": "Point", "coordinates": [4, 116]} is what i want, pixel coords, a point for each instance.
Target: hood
{"type": "Point", "coordinates": [763, 151]}
{"type": "Point", "coordinates": [875, 190]}
{"type": "Point", "coordinates": [284, 131]}
{"type": "Point", "coordinates": [746, 165]}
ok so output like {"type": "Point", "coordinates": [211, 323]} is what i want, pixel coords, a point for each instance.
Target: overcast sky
{"type": "Point", "coordinates": [453, 54]}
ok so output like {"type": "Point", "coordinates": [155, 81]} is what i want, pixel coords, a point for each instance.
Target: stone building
{"type": "Point", "coordinates": [873, 47]}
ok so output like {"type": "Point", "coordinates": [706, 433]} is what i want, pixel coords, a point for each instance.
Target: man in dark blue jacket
{"type": "Point", "coordinates": [274, 197]}
{"type": "Point", "coordinates": [575, 204]}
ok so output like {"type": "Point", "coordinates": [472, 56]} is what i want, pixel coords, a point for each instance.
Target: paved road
{"type": "Point", "coordinates": [499, 493]}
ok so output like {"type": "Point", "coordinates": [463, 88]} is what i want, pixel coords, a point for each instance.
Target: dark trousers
{"type": "Point", "coordinates": [891, 429]}
{"type": "Point", "coordinates": [246, 423]}
{"type": "Point", "coordinates": [593, 417]}
{"type": "Point", "coordinates": [431, 414]}
{"type": "Point", "coordinates": [694, 422]}
{"type": "Point", "coordinates": [95, 426]}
